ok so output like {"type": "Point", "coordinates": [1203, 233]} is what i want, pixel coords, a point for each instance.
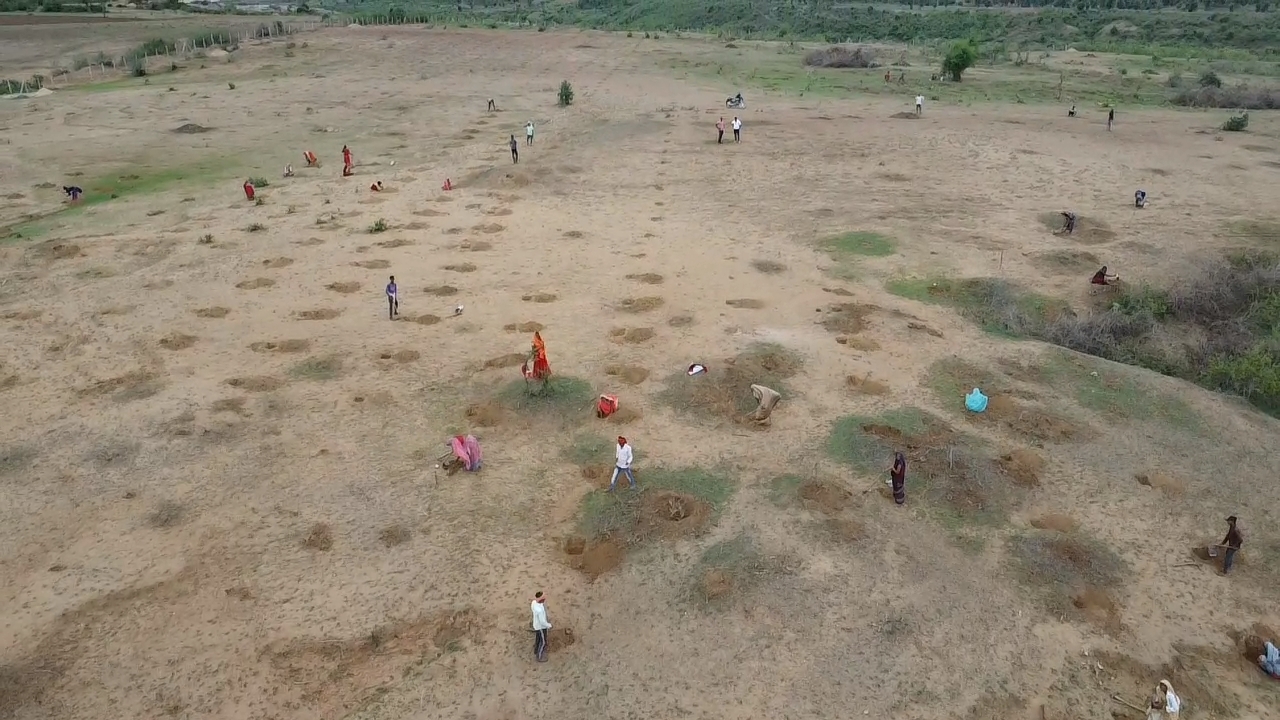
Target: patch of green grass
{"type": "Point", "coordinates": [724, 391]}
{"type": "Point", "coordinates": [849, 443]}
{"type": "Point", "coordinates": [952, 378]}
{"type": "Point", "coordinates": [603, 514]}
{"type": "Point", "coordinates": [865, 244]}
{"type": "Point", "coordinates": [1115, 391]}
{"type": "Point", "coordinates": [783, 489]}
{"type": "Point", "coordinates": [563, 396]}
{"type": "Point", "coordinates": [998, 306]}
{"type": "Point", "coordinates": [731, 567]}
{"type": "Point", "coordinates": [317, 368]}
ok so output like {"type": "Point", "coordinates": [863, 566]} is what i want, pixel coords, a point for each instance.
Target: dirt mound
{"type": "Point", "coordinates": [191, 129]}
{"type": "Point", "coordinates": [487, 414]}
{"type": "Point", "coordinates": [640, 304]}
{"type": "Point", "coordinates": [213, 312]}
{"type": "Point", "coordinates": [560, 638]}
{"type": "Point", "coordinates": [373, 264]}
{"type": "Point", "coordinates": [1028, 421]}
{"type": "Point", "coordinates": [632, 335]}
{"type": "Point", "coordinates": [231, 405]}
{"type": "Point", "coordinates": [320, 314]}
{"type": "Point", "coordinates": [346, 288]}
{"type": "Point", "coordinates": [475, 245]}
{"type": "Point", "coordinates": [428, 212]}
{"type": "Point", "coordinates": [424, 319]}
{"type": "Point", "coordinates": [745, 303]}
{"type": "Point", "coordinates": [1054, 521]}
{"type": "Point", "coordinates": [505, 361]}
{"type": "Point", "coordinates": [1098, 607]}
{"type": "Point", "coordinates": [400, 356]}
{"type": "Point", "coordinates": [498, 212]}
{"type": "Point", "coordinates": [392, 244]}
{"type": "Point", "coordinates": [393, 535]}
{"type": "Point", "coordinates": [489, 228]}
{"type": "Point", "coordinates": [865, 385]}
{"type": "Point", "coordinates": [668, 514]}
{"type": "Point", "coordinates": [575, 545]}
{"type": "Point", "coordinates": [629, 374]}
{"type": "Point", "coordinates": [574, 234]}
{"type": "Point", "coordinates": [680, 320]}
{"type": "Point", "coordinates": [768, 267]}
{"type": "Point", "coordinates": [1172, 486]}
{"type": "Point", "coordinates": [256, 383]}
{"type": "Point", "coordinates": [646, 278]}
{"type": "Point", "coordinates": [282, 346]}
{"type": "Point", "coordinates": [277, 263]}
{"type": "Point", "coordinates": [1023, 467]}
{"type": "Point", "coordinates": [827, 497]}
{"type": "Point", "coordinates": [540, 297]}
{"type": "Point", "coordinates": [177, 341]}
{"type": "Point", "coordinates": [598, 474]}
{"type": "Point", "coordinates": [598, 558]}
{"type": "Point", "coordinates": [61, 251]}
{"type": "Point", "coordinates": [524, 327]}
{"type": "Point", "coordinates": [715, 584]}
{"type": "Point", "coordinates": [846, 318]}
{"type": "Point", "coordinates": [440, 290]}
{"type": "Point", "coordinates": [905, 116]}
{"type": "Point", "coordinates": [131, 385]}
{"type": "Point", "coordinates": [255, 283]}
{"type": "Point", "coordinates": [1067, 262]}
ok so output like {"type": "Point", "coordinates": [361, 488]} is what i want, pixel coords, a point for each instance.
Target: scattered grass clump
{"type": "Point", "coordinates": [319, 537]}
{"type": "Point", "coordinates": [1236, 123]}
{"type": "Point", "coordinates": [1117, 392]}
{"type": "Point", "coordinates": [259, 182]}
{"type": "Point", "coordinates": [959, 483]}
{"type": "Point", "coordinates": [561, 396]}
{"type": "Point", "coordinates": [379, 225]}
{"type": "Point", "coordinates": [730, 567]}
{"type": "Point", "coordinates": [393, 535]}
{"type": "Point", "coordinates": [998, 306]}
{"type": "Point", "coordinates": [840, 57]}
{"type": "Point", "coordinates": [15, 459]}
{"type": "Point", "coordinates": [768, 267]}
{"type": "Point", "coordinates": [255, 227]}
{"type": "Point", "coordinates": [1069, 571]}
{"type": "Point", "coordinates": [317, 368]}
{"type": "Point", "coordinates": [588, 449]}
{"type": "Point", "coordinates": [724, 391]}
{"type": "Point", "coordinates": [167, 514]}
{"type": "Point", "coordinates": [669, 502]}
{"type": "Point", "coordinates": [865, 244]}
{"type": "Point", "coordinates": [784, 489]}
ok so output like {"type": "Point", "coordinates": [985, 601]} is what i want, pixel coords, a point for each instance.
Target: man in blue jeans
{"type": "Point", "coordinates": [1232, 541]}
{"type": "Point", "coordinates": [622, 464]}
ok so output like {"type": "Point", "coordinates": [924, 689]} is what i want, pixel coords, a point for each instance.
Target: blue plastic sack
{"type": "Point", "coordinates": [975, 401]}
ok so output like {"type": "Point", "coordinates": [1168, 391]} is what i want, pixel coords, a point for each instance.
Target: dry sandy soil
{"type": "Point", "coordinates": [217, 457]}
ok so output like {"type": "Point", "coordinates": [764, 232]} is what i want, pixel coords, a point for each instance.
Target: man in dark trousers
{"type": "Point", "coordinates": [1232, 542]}
{"type": "Point", "coordinates": [515, 149]}
{"type": "Point", "coordinates": [540, 626]}
{"type": "Point", "coordinates": [1111, 117]}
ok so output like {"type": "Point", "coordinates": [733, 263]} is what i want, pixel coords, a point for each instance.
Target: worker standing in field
{"type": "Point", "coordinates": [347, 164]}
{"type": "Point", "coordinates": [737, 130]}
{"type": "Point", "coordinates": [1111, 118]}
{"type": "Point", "coordinates": [528, 133]}
{"type": "Point", "coordinates": [540, 626]}
{"type": "Point", "coordinates": [515, 149]}
{"type": "Point", "coordinates": [720, 131]}
{"type": "Point", "coordinates": [919, 105]}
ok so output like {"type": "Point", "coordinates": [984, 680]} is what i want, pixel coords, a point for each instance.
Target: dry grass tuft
{"type": "Point", "coordinates": [540, 297]}
{"type": "Point", "coordinates": [319, 314]}
{"type": "Point", "coordinates": [255, 283]}
{"type": "Point", "coordinates": [745, 303]}
{"type": "Point", "coordinates": [440, 290]}
{"type": "Point", "coordinates": [629, 374]}
{"type": "Point", "coordinates": [640, 304]}
{"type": "Point", "coordinates": [345, 288]}
{"type": "Point", "coordinates": [646, 278]}
{"type": "Point", "coordinates": [393, 535]}
{"type": "Point", "coordinates": [177, 341]}
{"type": "Point", "coordinates": [769, 267]}
{"type": "Point", "coordinates": [167, 514]}
{"type": "Point", "coordinates": [319, 537]}
{"type": "Point", "coordinates": [524, 327]}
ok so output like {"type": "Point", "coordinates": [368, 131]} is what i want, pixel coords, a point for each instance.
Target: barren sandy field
{"type": "Point", "coordinates": [218, 486]}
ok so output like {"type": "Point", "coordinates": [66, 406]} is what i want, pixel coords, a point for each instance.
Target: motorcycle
{"type": "Point", "coordinates": [736, 103]}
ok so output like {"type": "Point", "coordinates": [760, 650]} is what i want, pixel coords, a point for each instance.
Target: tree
{"type": "Point", "coordinates": [960, 57]}
{"type": "Point", "coordinates": [565, 96]}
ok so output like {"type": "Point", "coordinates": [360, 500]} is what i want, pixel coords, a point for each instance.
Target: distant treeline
{"type": "Point", "coordinates": [1127, 25]}
{"type": "Point", "coordinates": [52, 6]}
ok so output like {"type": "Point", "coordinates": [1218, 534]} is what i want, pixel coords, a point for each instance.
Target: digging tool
{"type": "Point", "coordinates": [1127, 704]}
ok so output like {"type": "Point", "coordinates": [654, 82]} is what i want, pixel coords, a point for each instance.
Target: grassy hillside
{"type": "Point", "coordinates": [1165, 31]}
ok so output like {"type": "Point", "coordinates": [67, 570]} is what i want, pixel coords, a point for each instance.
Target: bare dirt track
{"type": "Point", "coordinates": [218, 492]}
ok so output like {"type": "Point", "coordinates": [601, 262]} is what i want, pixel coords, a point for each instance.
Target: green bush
{"type": "Point", "coordinates": [1210, 79]}
{"type": "Point", "coordinates": [258, 182]}
{"type": "Point", "coordinates": [565, 95]}
{"type": "Point", "coordinates": [960, 57]}
{"type": "Point", "coordinates": [1254, 376]}
{"type": "Point", "coordinates": [1236, 123]}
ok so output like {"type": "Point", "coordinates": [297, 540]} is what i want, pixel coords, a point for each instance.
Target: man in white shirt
{"type": "Point", "coordinates": [622, 464]}
{"type": "Point", "coordinates": [528, 133]}
{"type": "Point", "coordinates": [919, 104]}
{"type": "Point", "coordinates": [540, 626]}
{"type": "Point", "coordinates": [737, 129]}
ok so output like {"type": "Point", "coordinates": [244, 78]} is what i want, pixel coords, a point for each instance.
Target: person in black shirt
{"type": "Point", "coordinates": [1232, 541]}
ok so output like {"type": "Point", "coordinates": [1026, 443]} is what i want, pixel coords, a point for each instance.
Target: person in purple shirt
{"type": "Point", "coordinates": [393, 299]}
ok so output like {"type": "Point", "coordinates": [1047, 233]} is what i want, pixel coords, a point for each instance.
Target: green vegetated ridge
{"type": "Point", "coordinates": [1099, 25]}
